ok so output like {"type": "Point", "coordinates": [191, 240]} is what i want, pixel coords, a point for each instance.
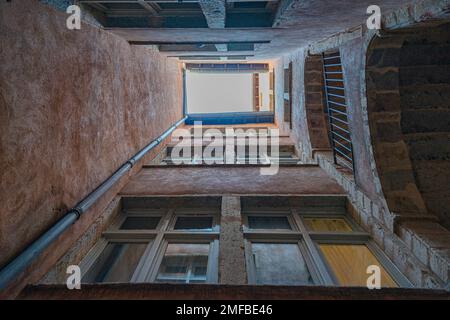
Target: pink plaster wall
{"type": "Point", "coordinates": [219, 180]}
{"type": "Point", "coordinates": [74, 106]}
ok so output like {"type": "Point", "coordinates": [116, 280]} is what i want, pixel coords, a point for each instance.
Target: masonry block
{"type": "Point", "coordinates": [388, 131]}
{"type": "Point", "coordinates": [440, 263]}
{"type": "Point", "coordinates": [426, 97]}
{"type": "Point", "coordinates": [425, 120]}
{"type": "Point", "coordinates": [429, 146]}
{"type": "Point", "coordinates": [420, 250]}
{"type": "Point", "coordinates": [384, 80]}
{"type": "Point", "coordinates": [232, 268]}
{"type": "Point", "coordinates": [417, 75]}
{"type": "Point", "coordinates": [387, 101]}
{"type": "Point", "coordinates": [417, 54]}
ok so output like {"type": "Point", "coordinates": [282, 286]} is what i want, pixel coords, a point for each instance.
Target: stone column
{"type": "Point", "coordinates": [232, 269]}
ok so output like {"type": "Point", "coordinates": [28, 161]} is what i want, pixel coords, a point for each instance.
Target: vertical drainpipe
{"type": "Point", "coordinates": [184, 93]}
{"type": "Point", "coordinates": [24, 259]}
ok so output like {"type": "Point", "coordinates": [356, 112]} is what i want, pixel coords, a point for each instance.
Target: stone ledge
{"type": "Point", "coordinates": [223, 292]}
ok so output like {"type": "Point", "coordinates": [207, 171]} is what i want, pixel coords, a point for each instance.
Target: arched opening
{"type": "Point", "coordinates": [408, 95]}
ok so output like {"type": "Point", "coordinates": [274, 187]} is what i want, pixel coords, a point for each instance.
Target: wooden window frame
{"type": "Point", "coordinates": [309, 241]}
{"type": "Point", "coordinates": [158, 239]}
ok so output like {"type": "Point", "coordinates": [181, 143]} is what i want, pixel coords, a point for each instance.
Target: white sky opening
{"type": "Point", "coordinates": [224, 92]}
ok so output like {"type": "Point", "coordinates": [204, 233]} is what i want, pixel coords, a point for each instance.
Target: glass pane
{"type": "Point", "coordinates": [327, 224]}
{"type": "Point", "coordinates": [349, 264]}
{"type": "Point", "coordinates": [194, 223]}
{"type": "Point", "coordinates": [116, 263]}
{"type": "Point", "coordinates": [268, 223]}
{"type": "Point", "coordinates": [185, 263]}
{"type": "Point", "coordinates": [280, 264]}
{"type": "Point", "coordinates": [136, 223]}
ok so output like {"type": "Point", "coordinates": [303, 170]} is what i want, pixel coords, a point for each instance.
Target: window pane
{"type": "Point", "coordinates": [280, 264]}
{"type": "Point", "coordinates": [136, 223]}
{"type": "Point", "coordinates": [116, 263]}
{"type": "Point", "coordinates": [327, 225]}
{"type": "Point", "coordinates": [185, 263]}
{"type": "Point", "coordinates": [349, 264]}
{"type": "Point", "coordinates": [194, 223]}
{"type": "Point", "coordinates": [268, 223]}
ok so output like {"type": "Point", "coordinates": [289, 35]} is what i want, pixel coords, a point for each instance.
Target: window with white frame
{"type": "Point", "coordinates": [300, 247]}
{"type": "Point", "coordinates": [168, 245]}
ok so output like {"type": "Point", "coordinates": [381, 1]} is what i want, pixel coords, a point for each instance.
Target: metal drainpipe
{"type": "Point", "coordinates": [21, 262]}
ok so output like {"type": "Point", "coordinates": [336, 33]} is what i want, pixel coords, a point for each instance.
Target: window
{"type": "Point", "coordinates": [268, 222]}
{"type": "Point", "coordinates": [347, 262]}
{"type": "Point", "coordinates": [176, 245]}
{"type": "Point", "coordinates": [275, 254]}
{"type": "Point", "coordinates": [184, 262]}
{"type": "Point", "coordinates": [288, 95]}
{"type": "Point", "coordinates": [280, 264]}
{"type": "Point", "coordinates": [116, 263]}
{"type": "Point", "coordinates": [327, 224]}
{"type": "Point", "coordinates": [194, 223]}
{"type": "Point", "coordinates": [144, 223]}
{"type": "Point", "coordinates": [296, 246]}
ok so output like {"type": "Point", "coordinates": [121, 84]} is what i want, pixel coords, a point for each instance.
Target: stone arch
{"type": "Point", "coordinates": [408, 93]}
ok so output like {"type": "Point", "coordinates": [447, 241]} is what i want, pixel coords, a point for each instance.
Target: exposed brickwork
{"type": "Point", "coordinates": [314, 103]}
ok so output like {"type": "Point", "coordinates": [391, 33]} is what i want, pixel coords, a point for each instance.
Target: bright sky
{"type": "Point", "coordinates": [219, 92]}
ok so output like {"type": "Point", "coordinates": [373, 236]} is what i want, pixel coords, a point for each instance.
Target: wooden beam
{"type": "Point", "coordinates": [148, 7]}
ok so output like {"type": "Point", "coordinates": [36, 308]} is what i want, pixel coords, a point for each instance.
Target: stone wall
{"type": "Point", "coordinates": [386, 189]}
{"type": "Point", "coordinates": [424, 76]}
{"type": "Point", "coordinates": [407, 80]}
{"type": "Point", "coordinates": [74, 106]}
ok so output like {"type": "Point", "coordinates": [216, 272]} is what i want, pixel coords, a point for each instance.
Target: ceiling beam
{"type": "Point", "coordinates": [165, 1]}
{"type": "Point", "coordinates": [148, 7]}
{"type": "Point", "coordinates": [215, 12]}
{"type": "Point", "coordinates": [147, 43]}
{"type": "Point", "coordinates": [280, 14]}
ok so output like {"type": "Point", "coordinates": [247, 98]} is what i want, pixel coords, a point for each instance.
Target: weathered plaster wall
{"type": "Point", "coordinates": [396, 218]}
{"type": "Point", "coordinates": [300, 132]}
{"type": "Point", "coordinates": [74, 106]}
{"type": "Point", "coordinates": [219, 180]}
{"type": "Point", "coordinates": [353, 61]}
{"type": "Point", "coordinates": [279, 66]}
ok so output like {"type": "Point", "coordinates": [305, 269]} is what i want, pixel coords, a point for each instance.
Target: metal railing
{"type": "Point", "coordinates": [339, 130]}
